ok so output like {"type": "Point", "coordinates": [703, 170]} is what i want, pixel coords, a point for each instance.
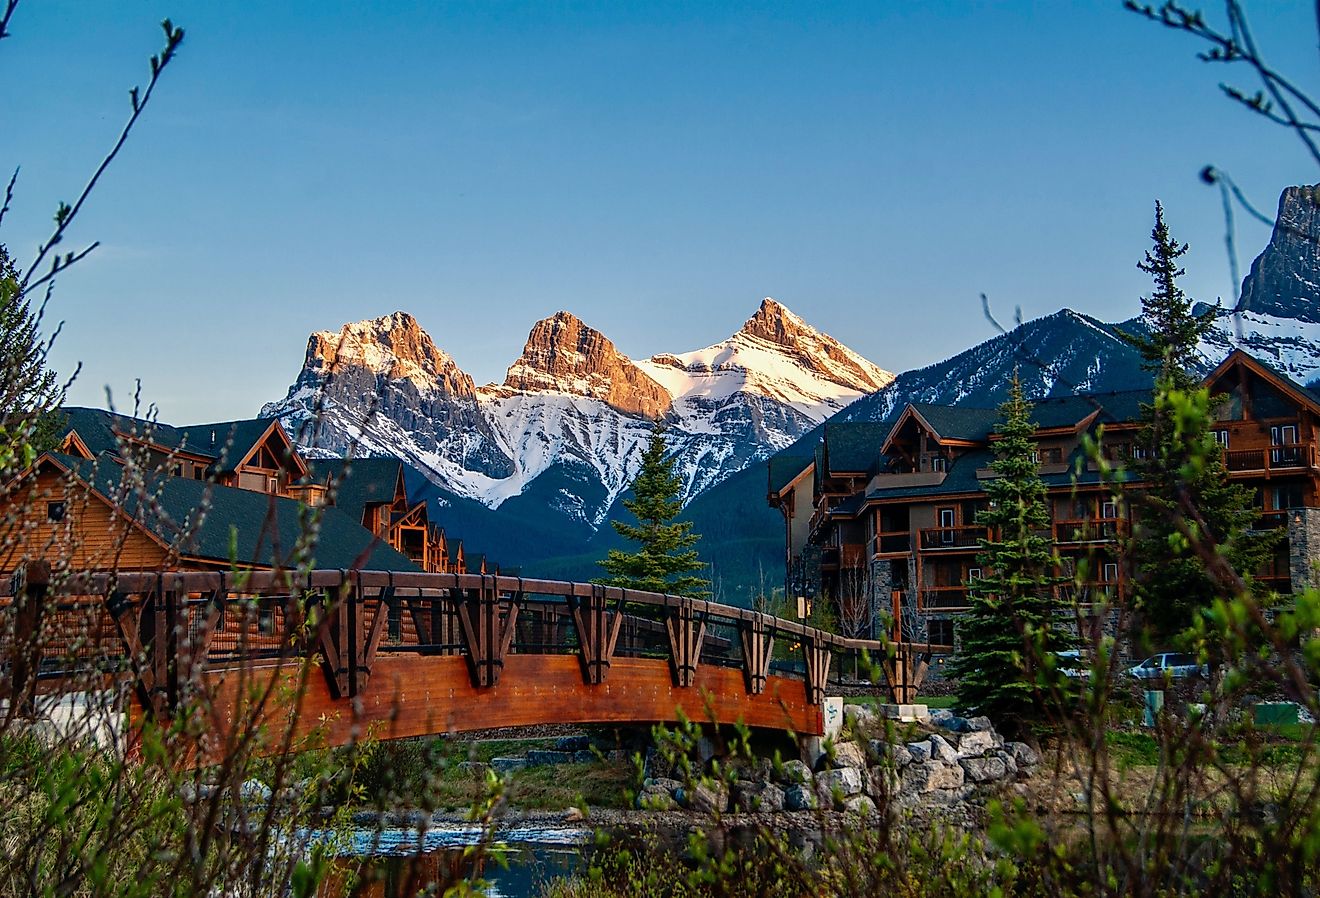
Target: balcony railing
{"type": "Point", "coordinates": [1089, 530]}
{"type": "Point", "coordinates": [1287, 457]}
{"type": "Point", "coordinates": [935, 538]}
{"type": "Point", "coordinates": [1271, 520]}
{"type": "Point", "coordinates": [897, 542]}
{"type": "Point", "coordinates": [943, 598]}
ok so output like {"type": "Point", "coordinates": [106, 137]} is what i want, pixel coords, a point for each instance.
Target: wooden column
{"type": "Point", "coordinates": [31, 584]}
{"type": "Point", "coordinates": [485, 635]}
{"type": "Point", "coordinates": [686, 634]}
{"type": "Point", "coordinates": [598, 631]}
{"type": "Point", "coordinates": [758, 646]}
{"type": "Point", "coordinates": [817, 656]}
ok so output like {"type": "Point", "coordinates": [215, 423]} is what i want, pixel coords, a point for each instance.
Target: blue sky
{"type": "Point", "coordinates": [654, 168]}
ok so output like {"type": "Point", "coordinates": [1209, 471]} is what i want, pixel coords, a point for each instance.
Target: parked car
{"type": "Point", "coordinates": [1175, 665]}
{"type": "Point", "coordinates": [1072, 664]}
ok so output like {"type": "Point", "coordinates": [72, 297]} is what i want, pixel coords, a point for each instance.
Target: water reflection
{"type": "Point", "coordinates": [399, 863]}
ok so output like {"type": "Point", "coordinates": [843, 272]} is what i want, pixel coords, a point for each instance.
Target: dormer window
{"type": "Point", "coordinates": [939, 464]}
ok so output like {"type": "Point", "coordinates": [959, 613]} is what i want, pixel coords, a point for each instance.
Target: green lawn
{"type": "Point", "coordinates": [930, 701]}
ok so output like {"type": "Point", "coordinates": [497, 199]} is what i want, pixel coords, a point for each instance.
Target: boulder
{"type": "Point", "coordinates": [758, 797]}
{"type": "Point", "coordinates": [655, 785]}
{"type": "Point", "coordinates": [984, 770]}
{"type": "Point", "coordinates": [859, 805]}
{"type": "Point", "coordinates": [937, 715]}
{"type": "Point", "coordinates": [848, 754]}
{"type": "Point", "coordinates": [844, 782]}
{"type": "Point", "coordinates": [881, 782]}
{"type": "Point", "coordinates": [976, 743]}
{"type": "Point", "coordinates": [941, 750]}
{"type": "Point", "coordinates": [800, 798]}
{"type": "Point", "coordinates": [979, 725]}
{"type": "Point", "coordinates": [573, 743]}
{"type": "Point", "coordinates": [584, 756]}
{"type": "Point", "coordinates": [928, 776]}
{"type": "Point", "coordinates": [704, 798]}
{"type": "Point", "coordinates": [795, 772]}
{"type": "Point", "coordinates": [1023, 754]}
{"type": "Point", "coordinates": [507, 765]}
{"type": "Point", "coordinates": [858, 716]}
{"type": "Point", "coordinates": [952, 723]}
{"type": "Point", "coordinates": [1009, 764]}
{"type": "Point", "coordinates": [899, 755]}
{"type": "Point", "coordinates": [919, 751]}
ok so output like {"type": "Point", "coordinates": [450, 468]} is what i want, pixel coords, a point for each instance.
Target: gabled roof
{"type": "Point", "coordinates": [227, 443]}
{"type": "Point", "coordinates": [1298, 392]}
{"type": "Point", "coordinates": [784, 469]}
{"type": "Point", "coordinates": [240, 526]}
{"type": "Point", "coordinates": [853, 447]}
{"type": "Point", "coordinates": [361, 482]}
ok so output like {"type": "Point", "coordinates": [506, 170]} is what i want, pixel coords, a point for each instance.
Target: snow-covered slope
{"type": "Point", "coordinates": [572, 409]}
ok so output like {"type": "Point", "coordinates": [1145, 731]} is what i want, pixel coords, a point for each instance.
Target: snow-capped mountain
{"type": "Point", "coordinates": [1277, 318]}
{"type": "Point", "coordinates": [573, 413]}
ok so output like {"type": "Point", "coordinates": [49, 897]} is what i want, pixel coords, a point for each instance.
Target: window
{"type": "Point", "coordinates": [939, 464]}
{"type": "Point", "coordinates": [1109, 572]}
{"type": "Point", "coordinates": [55, 512]}
{"type": "Point", "coordinates": [272, 484]}
{"type": "Point", "coordinates": [395, 620]}
{"type": "Point", "coordinates": [941, 632]}
{"type": "Point", "coordinates": [946, 518]}
{"type": "Point", "coordinates": [973, 574]}
{"type": "Point", "coordinates": [1286, 497]}
{"type": "Point", "coordinates": [1052, 456]}
{"type": "Point", "coordinates": [1284, 439]}
{"type": "Point", "coordinates": [1221, 437]}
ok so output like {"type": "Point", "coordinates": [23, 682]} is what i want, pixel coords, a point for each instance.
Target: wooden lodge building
{"type": "Point", "coordinates": [123, 493]}
{"type": "Point", "coordinates": [889, 510]}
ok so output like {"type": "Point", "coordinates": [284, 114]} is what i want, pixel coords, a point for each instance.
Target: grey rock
{"type": "Point", "coordinates": [848, 754]}
{"type": "Point", "coordinates": [794, 773]}
{"type": "Point", "coordinates": [976, 743]}
{"type": "Point", "coordinates": [704, 798]}
{"type": "Point", "coordinates": [882, 782]}
{"type": "Point", "coordinates": [1023, 753]}
{"type": "Point", "coordinates": [661, 784]}
{"type": "Point", "coordinates": [858, 716]}
{"type": "Point", "coordinates": [941, 750]}
{"type": "Point", "coordinates": [844, 782]}
{"type": "Point", "coordinates": [1009, 764]}
{"type": "Point", "coordinates": [928, 776]}
{"type": "Point", "coordinates": [507, 765]}
{"type": "Point", "coordinates": [898, 755]}
{"type": "Point", "coordinates": [584, 756]}
{"type": "Point", "coordinates": [984, 770]}
{"type": "Point", "coordinates": [860, 805]}
{"type": "Point", "coordinates": [705, 749]}
{"type": "Point", "coordinates": [800, 798]}
{"type": "Point", "coordinates": [952, 723]}
{"type": "Point", "coordinates": [254, 791]}
{"type": "Point", "coordinates": [919, 751]}
{"type": "Point", "coordinates": [979, 725]}
{"type": "Point", "coordinates": [543, 757]}
{"type": "Point", "coordinates": [937, 715]}
{"type": "Point", "coordinates": [758, 797]}
{"type": "Point", "coordinates": [573, 743]}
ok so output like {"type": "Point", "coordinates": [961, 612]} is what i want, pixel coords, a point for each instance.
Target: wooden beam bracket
{"type": "Point", "coordinates": [487, 634]}
{"type": "Point", "coordinates": [598, 632]}
{"type": "Point", "coordinates": [758, 646]}
{"type": "Point", "coordinates": [686, 632]}
{"type": "Point", "coordinates": [817, 656]}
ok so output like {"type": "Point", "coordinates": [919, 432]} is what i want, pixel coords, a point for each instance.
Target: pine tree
{"type": "Point", "coordinates": [29, 392]}
{"type": "Point", "coordinates": [665, 560]}
{"type": "Point", "coordinates": [1011, 625]}
{"type": "Point", "coordinates": [1189, 499]}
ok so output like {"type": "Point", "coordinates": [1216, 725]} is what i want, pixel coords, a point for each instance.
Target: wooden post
{"type": "Point", "coordinates": [686, 634]}
{"type": "Point", "coordinates": [31, 584]}
{"type": "Point", "coordinates": [818, 669]}
{"type": "Point", "coordinates": [485, 636]}
{"type": "Point", "coordinates": [598, 631]}
{"type": "Point", "coordinates": [757, 649]}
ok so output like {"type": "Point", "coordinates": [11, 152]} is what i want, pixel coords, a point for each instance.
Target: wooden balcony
{"type": "Point", "coordinates": [1088, 530]}
{"type": "Point", "coordinates": [1287, 458]}
{"type": "Point", "coordinates": [958, 539]}
{"type": "Point", "coordinates": [898, 542]}
{"type": "Point", "coordinates": [943, 598]}
{"type": "Point", "coordinates": [1271, 520]}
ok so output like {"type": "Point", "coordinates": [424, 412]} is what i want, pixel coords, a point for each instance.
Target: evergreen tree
{"type": "Point", "coordinates": [29, 392]}
{"type": "Point", "coordinates": [1011, 628]}
{"type": "Point", "coordinates": [1189, 500]}
{"type": "Point", "coordinates": [665, 560]}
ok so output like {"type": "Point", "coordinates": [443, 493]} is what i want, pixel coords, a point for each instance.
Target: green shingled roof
{"type": "Point", "coordinates": [854, 445]}
{"type": "Point", "coordinates": [226, 441]}
{"type": "Point", "coordinates": [361, 481]}
{"type": "Point", "coordinates": [240, 526]}
{"type": "Point", "coordinates": [954, 422]}
{"type": "Point", "coordinates": [784, 469]}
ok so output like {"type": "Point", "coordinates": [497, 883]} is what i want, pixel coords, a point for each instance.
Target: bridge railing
{"type": "Point", "coordinates": [163, 629]}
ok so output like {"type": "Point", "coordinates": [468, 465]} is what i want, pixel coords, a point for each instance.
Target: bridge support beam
{"type": "Point", "coordinates": [686, 634]}
{"type": "Point", "coordinates": [758, 646]}
{"type": "Point", "coordinates": [598, 631]}
{"type": "Point", "coordinates": [817, 655]}
{"type": "Point", "coordinates": [486, 635]}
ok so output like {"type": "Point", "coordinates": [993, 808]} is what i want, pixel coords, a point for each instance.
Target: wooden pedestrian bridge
{"type": "Point", "coordinates": [345, 652]}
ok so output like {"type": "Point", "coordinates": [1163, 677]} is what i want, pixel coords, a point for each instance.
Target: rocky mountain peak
{"type": "Point", "coordinates": [394, 346]}
{"type": "Point", "coordinates": [1284, 280]}
{"type": "Point", "coordinates": [817, 352]}
{"type": "Point", "coordinates": [564, 355]}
